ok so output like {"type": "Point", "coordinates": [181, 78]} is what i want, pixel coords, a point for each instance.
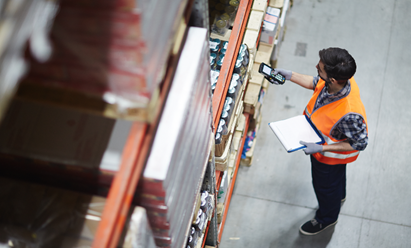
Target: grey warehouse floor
{"type": "Point", "coordinates": [274, 196]}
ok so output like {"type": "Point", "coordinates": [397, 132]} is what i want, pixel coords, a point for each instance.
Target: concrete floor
{"type": "Point", "coordinates": [274, 196]}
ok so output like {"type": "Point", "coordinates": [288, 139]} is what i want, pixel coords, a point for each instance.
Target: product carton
{"type": "Point", "coordinates": [270, 25]}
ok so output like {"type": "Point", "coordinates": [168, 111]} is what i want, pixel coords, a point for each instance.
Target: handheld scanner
{"type": "Point", "coordinates": [268, 73]}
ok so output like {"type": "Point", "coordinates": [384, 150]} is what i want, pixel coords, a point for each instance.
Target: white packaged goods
{"type": "Point", "coordinates": [179, 153]}
{"type": "Point", "coordinates": [270, 25]}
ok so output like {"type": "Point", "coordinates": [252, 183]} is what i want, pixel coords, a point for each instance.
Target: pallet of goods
{"type": "Point", "coordinates": [108, 57]}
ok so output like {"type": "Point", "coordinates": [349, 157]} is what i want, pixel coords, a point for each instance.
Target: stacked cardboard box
{"type": "Point", "coordinates": [266, 52]}
{"type": "Point", "coordinates": [271, 20]}
{"type": "Point", "coordinates": [180, 151]}
{"type": "Point", "coordinates": [283, 6]}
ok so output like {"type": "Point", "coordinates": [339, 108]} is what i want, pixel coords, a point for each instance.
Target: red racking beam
{"type": "Point", "coordinates": [230, 57]}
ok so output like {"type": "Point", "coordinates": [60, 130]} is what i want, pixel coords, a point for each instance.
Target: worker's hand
{"type": "Point", "coordinates": [311, 148]}
{"type": "Point", "coordinates": [286, 73]}
{"type": "Point", "coordinates": [272, 81]}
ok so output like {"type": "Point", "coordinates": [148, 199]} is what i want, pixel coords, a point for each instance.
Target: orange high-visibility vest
{"type": "Point", "coordinates": [326, 118]}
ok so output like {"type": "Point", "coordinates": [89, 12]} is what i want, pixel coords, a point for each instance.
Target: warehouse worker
{"type": "Point", "coordinates": [336, 110]}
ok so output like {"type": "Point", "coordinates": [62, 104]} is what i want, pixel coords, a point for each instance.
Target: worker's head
{"type": "Point", "coordinates": [338, 64]}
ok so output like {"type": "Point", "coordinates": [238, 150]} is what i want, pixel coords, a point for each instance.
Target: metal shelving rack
{"type": "Point", "coordinates": [220, 93]}
{"type": "Point", "coordinates": [134, 157]}
{"type": "Point", "coordinates": [137, 147]}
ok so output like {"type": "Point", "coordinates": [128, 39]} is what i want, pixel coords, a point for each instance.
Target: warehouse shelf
{"type": "Point", "coordinates": [134, 158]}
{"type": "Point", "coordinates": [121, 184]}
{"type": "Point", "coordinates": [231, 187]}
{"type": "Point", "coordinates": [227, 68]}
{"type": "Point", "coordinates": [226, 71]}
{"type": "Point", "coordinates": [126, 179]}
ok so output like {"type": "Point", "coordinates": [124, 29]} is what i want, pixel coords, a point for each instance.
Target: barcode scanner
{"type": "Point", "coordinates": [268, 73]}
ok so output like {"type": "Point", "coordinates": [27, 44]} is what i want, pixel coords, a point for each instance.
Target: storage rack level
{"type": "Point", "coordinates": [135, 154]}
{"type": "Point", "coordinates": [126, 179]}
{"type": "Point", "coordinates": [219, 175]}
{"type": "Point", "coordinates": [220, 93]}
{"type": "Point", "coordinates": [230, 57]}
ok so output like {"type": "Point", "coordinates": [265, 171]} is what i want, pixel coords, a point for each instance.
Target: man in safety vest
{"type": "Point", "coordinates": [338, 113]}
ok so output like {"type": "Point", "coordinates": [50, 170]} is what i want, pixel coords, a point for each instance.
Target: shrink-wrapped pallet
{"type": "Point", "coordinates": [115, 51]}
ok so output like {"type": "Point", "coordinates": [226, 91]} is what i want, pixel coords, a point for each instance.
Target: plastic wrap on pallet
{"type": "Point", "coordinates": [212, 235]}
{"type": "Point", "coordinates": [21, 21]}
{"type": "Point", "coordinates": [209, 177]}
{"type": "Point", "coordinates": [179, 154]}
{"type": "Point", "coordinates": [35, 215]}
{"type": "Point", "coordinates": [222, 15]}
{"type": "Point", "coordinates": [114, 50]}
{"type": "Point", "coordinates": [139, 233]}
{"type": "Point", "coordinates": [199, 15]}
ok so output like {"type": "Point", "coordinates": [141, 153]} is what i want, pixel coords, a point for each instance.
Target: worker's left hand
{"type": "Point", "coordinates": [311, 148]}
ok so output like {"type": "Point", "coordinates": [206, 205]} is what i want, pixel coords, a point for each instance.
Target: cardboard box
{"type": "Point", "coordinates": [256, 77]}
{"type": "Point", "coordinates": [255, 20]}
{"type": "Point", "coordinates": [251, 95]}
{"type": "Point", "coordinates": [56, 135]}
{"type": "Point", "coordinates": [262, 57]}
{"type": "Point", "coordinates": [269, 30]}
{"type": "Point", "coordinates": [260, 5]}
{"type": "Point", "coordinates": [250, 39]}
{"type": "Point", "coordinates": [276, 3]}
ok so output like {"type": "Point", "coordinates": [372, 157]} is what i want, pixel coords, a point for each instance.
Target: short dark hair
{"type": "Point", "coordinates": [338, 63]}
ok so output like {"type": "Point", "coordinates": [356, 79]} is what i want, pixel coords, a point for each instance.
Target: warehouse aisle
{"type": "Point", "coordinates": [274, 196]}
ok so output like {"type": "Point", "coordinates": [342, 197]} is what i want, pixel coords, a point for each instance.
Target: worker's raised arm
{"type": "Point", "coordinates": [305, 81]}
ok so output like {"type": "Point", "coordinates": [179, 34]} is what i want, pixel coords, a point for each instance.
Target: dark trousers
{"type": "Point", "coordinates": [329, 186]}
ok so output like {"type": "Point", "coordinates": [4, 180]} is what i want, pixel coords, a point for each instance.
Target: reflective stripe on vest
{"type": "Point", "coordinates": [337, 155]}
{"type": "Point", "coordinates": [340, 156]}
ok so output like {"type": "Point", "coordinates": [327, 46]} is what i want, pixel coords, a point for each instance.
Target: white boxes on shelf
{"type": "Point", "coordinates": [173, 174]}
{"type": "Point", "coordinates": [270, 25]}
